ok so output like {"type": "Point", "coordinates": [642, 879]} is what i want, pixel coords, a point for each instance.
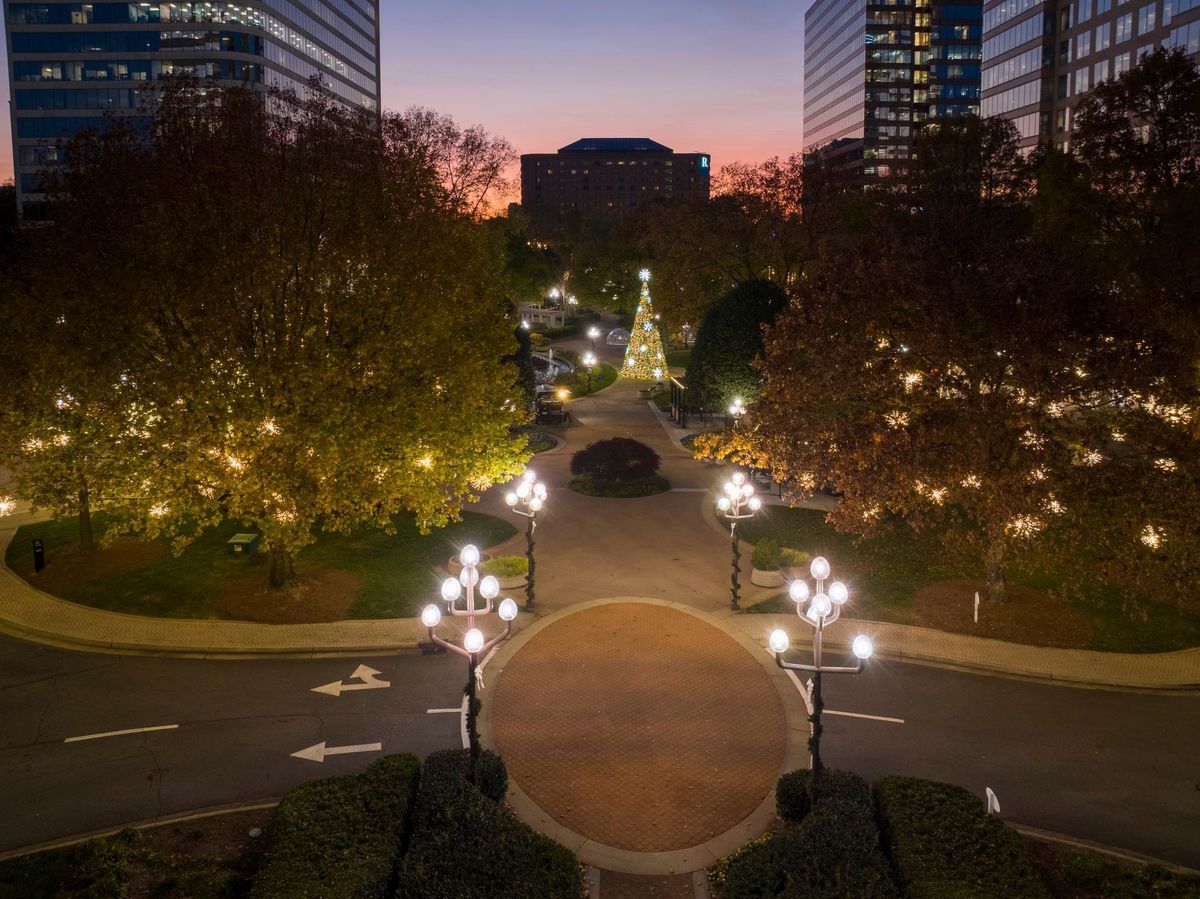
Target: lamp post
{"type": "Point", "coordinates": [738, 504]}
{"type": "Point", "coordinates": [527, 500]}
{"type": "Point", "coordinates": [594, 333]}
{"type": "Point", "coordinates": [737, 409]}
{"type": "Point", "coordinates": [474, 643]}
{"type": "Point", "coordinates": [589, 362]}
{"type": "Point", "coordinates": [824, 608]}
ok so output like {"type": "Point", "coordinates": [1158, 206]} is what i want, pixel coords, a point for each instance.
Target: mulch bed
{"type": "Point", "coordinates": [67, 566]}
{"type": "Point", "coordinates": [316, 595]}
{"type": "Point", "coordinates": [1028, 616]}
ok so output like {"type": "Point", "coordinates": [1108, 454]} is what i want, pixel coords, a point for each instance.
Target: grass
{"type": "Point", "coordinates": [887, 570]}
{"type": "Point", "coordinates": [577, 381]}
{"type": "Point", "coordinates": [539, 441]}
{"type": "Point", "coordinates": [662, 400]}
{"type": "Point", "coordinates": [396, 571]}
{"type": "Point", "coordinates": [678, 357]}
{"type": "Point", "coordinates": [625, 489]}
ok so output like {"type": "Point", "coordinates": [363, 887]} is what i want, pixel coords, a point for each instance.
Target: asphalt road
{"type": "Point", "coordinates": [1119, 768]}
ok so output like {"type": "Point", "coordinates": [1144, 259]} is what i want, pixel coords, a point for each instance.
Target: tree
{"type": "Point", "coordinates": [331, 352]}
{"type": "Point", "coordinates": [949, 371]}
{"type": "Point", "coordinates": [729, 341]}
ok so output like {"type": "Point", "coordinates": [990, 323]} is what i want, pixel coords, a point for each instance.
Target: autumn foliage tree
{"type": "Point", "coordinates": [312, 315]}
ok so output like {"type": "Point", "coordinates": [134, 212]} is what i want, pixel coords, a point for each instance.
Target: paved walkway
{"type": "Point", "coordinates": [669, 547]}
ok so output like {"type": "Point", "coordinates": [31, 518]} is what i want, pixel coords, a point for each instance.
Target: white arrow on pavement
{"type": "Point", "coordinates": [369, 682]}
{"type": "Point", "coordinates": [317, 753]}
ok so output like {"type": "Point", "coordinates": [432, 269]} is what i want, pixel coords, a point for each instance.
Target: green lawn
{"type": "Point", "coordinates": [396, 571]}
{"type": "Point", "coordinates": [577, 381]}
{"type": "Point", "coordinates": [885, 572]}
{"type": "Point", "coordinates": [677, 357]}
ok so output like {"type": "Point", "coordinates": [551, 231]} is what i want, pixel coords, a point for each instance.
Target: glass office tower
{"type": "Point", "coordinates": [873, 71]}
{"type": "Point", "coordinates": [72, 63]}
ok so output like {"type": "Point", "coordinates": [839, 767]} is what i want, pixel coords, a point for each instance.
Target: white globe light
{"type": "Point", "coordinates": [747, 490]}
{"type": "Point", "coordinates": [779, 640]}
{"type": "Point", "coordinates": [755, 504]}
{"type": "Point", "coordinates": [489, 587]}
{"type": "Point", "coordinates": [431, 615]}
{"type": "Point", "coordinates": [838, 592]}
{"type": "Point", "coordinates": [523, 490]}
{"type": "Point", "coordinates": [451, 589]}
{"type": "Point", "coordinates": [723, 503]}
{"type": "Point", "coordinates": [529, 475]}
{"type": "Point", "coordinates": [798, 591]}
{"type": "Point", "coordinates": [469, 555]}
{"type": "Point", "coordinates": [739, 478]}
{"type": "Point", "coordinates": [510, 498]}
{"type": "Point", "coordinates": [508, 609]}
{"type": "Point", "coordinates": [819, 607]}
{"type": "Point", "coordinates": [473, 640]}
{"type": "Point", "coordinates": [539, 490]}
{"type": "Point", "coordinates": [819, 568]}
{"type": "Point", "coordinates": [535, 504]}
{"type": "Point", "coordinates": [468, 577]}
{"type": "Point", "coordinates": [862, 647]}
{"type": "Point", "coordinates": [730, 489]}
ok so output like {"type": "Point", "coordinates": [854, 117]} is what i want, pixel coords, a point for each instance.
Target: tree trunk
{"type": "Point", "coordinates": [87, 540]}
{"type": "Point", "coordinates": [281, 566]}
{"type": "Point", "coordinates": [997, 588]}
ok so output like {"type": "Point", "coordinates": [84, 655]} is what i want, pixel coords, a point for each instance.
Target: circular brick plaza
{"type": "Point", "coordinates": [639, 726]}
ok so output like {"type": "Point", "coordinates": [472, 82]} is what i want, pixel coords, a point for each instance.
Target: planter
{"type": "Point", "coordinates": [760, 578]}
{"type": "Point", "coordinates": [512, 583]}
{"type": "Point", "coordinates": [455, 567]}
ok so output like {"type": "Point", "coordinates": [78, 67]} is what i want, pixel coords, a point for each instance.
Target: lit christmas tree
{"type": "Point", "coordinates": [644, 358]}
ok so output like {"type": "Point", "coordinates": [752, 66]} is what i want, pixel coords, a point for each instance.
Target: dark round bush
{"type": "Point", "coordinates": [615, 459]}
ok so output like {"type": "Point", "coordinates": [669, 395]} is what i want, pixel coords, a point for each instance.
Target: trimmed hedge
{"type": "Point", "coordinates": [465, 845]}
{"type": "Point", "coordinates": [833, 853]}
{"type": "Point", "coordinates": [343, 833]}
{"type": "Point", "coordinates": [943, 845]}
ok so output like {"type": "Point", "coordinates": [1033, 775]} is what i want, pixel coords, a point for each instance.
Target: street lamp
{"type": "Point", "coordinates": [589, 362]}
{"type": "Point", "coordinates": [474, 643]}
{"type": "Point", "coordinates": [738, 503]}
{"type": "Point", "coordinates": [737, 409]}
{"type": "Point", "coordinates": [594, 333]}
{"type": "Point", "coordinates": [527, 500]}
{"type": "Point", "coordinates": [824, 608]}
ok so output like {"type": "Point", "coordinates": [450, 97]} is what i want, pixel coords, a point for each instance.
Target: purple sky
{"type": "Point", "coordinates": [718, 76]}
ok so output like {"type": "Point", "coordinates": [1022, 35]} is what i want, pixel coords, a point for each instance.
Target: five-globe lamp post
{"type": "Point", "coordinates": [736, 410]}
{"type": "Point", "coordinates": [737, 504]}
{"type": "Point", "coordinates": [474, 644]}
{"type": "Point", "coordinates": [824, 608]}
{"type": "Point", "coordinates": [527, 500]}
{"type": "Point", "coordinates": [594, 334]}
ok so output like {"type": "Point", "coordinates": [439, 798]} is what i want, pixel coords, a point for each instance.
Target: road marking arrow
{"type": "Point", "coordinates": [318, 752]}
{"type": "Point", "coordinates": [368, 676]}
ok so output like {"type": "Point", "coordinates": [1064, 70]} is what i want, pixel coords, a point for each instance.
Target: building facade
{"type": "Point", "coordinates": [605, 179]}
{"type": "Point", "coordinates": [1041, 56]}
{"type": "Point", "coordinates": [874, 71]}
{"type": "Point", "coordinates": [71, 64]}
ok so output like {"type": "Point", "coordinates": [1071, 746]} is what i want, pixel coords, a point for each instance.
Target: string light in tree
{"type": "Point", "coordinates": [644, 356]}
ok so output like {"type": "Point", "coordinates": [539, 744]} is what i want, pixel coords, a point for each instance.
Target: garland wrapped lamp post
{"type": "Point", "coordinates": [475, 645]}
{"type": "Point", "coordinates": [594, 333]}
{"type": "Point", "coordinates": [738, 504]}
{"type": "Point", "coordinates": [589, 362]}
{"type": "Point", "coordinates": [823, 609]}
{"type": "Point", "coordinates": [527, 500]}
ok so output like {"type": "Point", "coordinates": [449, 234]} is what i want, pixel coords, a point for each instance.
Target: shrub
{"type": "Point", "coordinates": [766, 555]}
{"type": "Point", "coordinates": [793, 558]}
{"type": "Point", "coordinates": [627, 489]}
{"type": "Point", "coordinates": [832, 852]}
{"type": "Point", "coordinates": [343, 833]}
{"type": "Point", "coordinates": [615, 459]}
{"type": "Point", "coordinates": [506, 566]}
{"type": "Point", "coordinates": [729, 339]}
{"type": "Point", "coordinates": [466, 845]}
{"type": "Point", "coordinates": [943, 845]}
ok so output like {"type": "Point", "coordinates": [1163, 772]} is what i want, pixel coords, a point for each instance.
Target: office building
{"type": "Point", "coordinates": [874, 71]}
{"type": "Point", "coordinates": [605, 178]}
{"type": "Point", "coordinates": [1039, 58]}
{"type": "Point", "coordinates": [72, 63]}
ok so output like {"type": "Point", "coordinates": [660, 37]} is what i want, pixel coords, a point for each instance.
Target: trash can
{"type": "Point", "coordinates": [243, 544]}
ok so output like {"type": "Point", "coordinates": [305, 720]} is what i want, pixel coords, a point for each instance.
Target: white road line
{"type": "Point", "coordinates": [121, 733]}
{"type": "Point", "coordinates": [454, 711]}
{"type": "Point", "coordinates": [868, 717]}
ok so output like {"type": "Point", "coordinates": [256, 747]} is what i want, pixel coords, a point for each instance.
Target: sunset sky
{"type": "Point", "coordinates": [719, 76]}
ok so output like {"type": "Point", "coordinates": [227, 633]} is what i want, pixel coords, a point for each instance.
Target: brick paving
{"type": "Point", "coordinates": [639, 726]}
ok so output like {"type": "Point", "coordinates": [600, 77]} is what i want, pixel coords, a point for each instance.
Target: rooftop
{"type": "Point", "coordinates": [615, 145]}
